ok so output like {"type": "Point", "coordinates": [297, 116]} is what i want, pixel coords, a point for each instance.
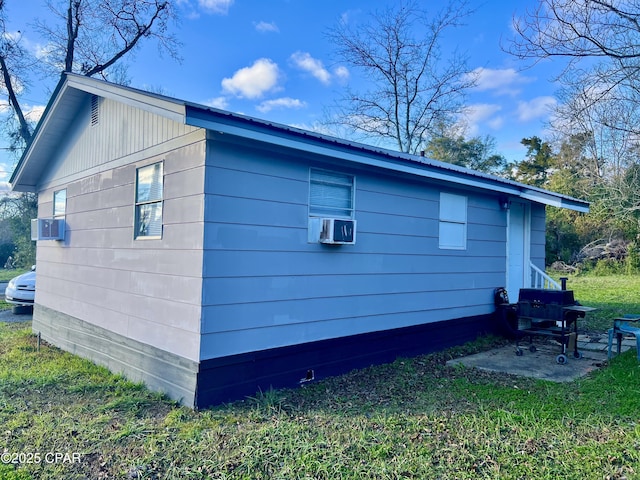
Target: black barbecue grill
{"type": "Point", "coordinates": [542, 312]}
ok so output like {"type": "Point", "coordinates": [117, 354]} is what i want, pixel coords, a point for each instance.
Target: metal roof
{"type": "Point", "coordinates": [73, 88]}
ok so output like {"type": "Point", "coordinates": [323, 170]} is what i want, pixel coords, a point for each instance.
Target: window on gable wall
{"type": "Point", "coordinates": [453, 221]}
{"type": "Point", "coordinates": [149, 191]}
{"type": "Point", "coordinates": [330, 194]}
{"type": "Point", "coordinates": [60, 203]}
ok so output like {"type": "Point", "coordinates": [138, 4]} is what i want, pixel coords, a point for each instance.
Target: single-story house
{"type": "Point", "coordinates": [210, 254]}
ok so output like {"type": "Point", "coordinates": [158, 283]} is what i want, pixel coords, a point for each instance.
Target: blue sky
{"type": "Point", "coordinates": [271, 59]}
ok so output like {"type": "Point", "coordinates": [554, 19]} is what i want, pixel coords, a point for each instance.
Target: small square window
{"type": "Point", "coordinates": [149, 194]}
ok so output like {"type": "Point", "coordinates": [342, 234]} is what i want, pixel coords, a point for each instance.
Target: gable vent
{"type": "Point", "coordinates": [95, 111]}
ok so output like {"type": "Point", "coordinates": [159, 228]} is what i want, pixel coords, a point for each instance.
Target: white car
{"type": "Point", "coordinates": [21, 290]}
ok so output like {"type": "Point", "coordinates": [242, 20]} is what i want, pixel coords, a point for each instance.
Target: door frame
{"type": "Point", "coordinates": [523, 245]}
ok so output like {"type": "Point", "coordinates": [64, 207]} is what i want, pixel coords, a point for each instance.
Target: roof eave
{"type": "Point", "coordinates": [160, 105]}
{"type": "Point", "coordinates": [555, 200]}
{"type": "Point", "coordinates": [225, 123]}
{"type": "Point", "coordinates": [222, 122]}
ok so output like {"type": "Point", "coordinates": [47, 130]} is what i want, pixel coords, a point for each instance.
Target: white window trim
{"type": "Point", "coordinates": [57, 214]}
{"type": "Point", "coordinates": [137, 204]}
{"type": "Point", "coordinates": [449, 218]}
{"type": "Point", "coordinates": [336, 215]}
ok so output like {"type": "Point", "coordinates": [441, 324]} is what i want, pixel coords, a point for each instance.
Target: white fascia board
{"type": "Point", "coordinates": [31, 147]}
{"type": "Point", "coordinates": [538, 196]}
{"type": "Point", "coordinates": [548, 198]}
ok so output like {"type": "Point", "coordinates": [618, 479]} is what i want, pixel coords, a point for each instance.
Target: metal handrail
{"type": "Point", "coordinates": [540, 279]}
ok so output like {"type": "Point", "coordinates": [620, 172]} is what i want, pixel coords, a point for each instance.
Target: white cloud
{"type": "Point", "coordinates": [505, 81]}
{"type": "Point", "coordinates": [4, 177]}
{"type": "Point", "coordinates": [539, 107]}
{"type": "Point", "coordinates": [280, 103]}
{"type": "Point", "coordinates": [496, 123]}
{"type": "Point", "coordinates": [266, 27]}
{"type": "Point", "coordinates": [219, 102]}
{"type": "Point", "coordinates": [43, 51]}
{"type": "Point", "coordinates": [349, 15]}
{"type": "Point", "coordinates": [4, 171]}
{"type": "Point", "coordinates": [253, 81]}
{"type": "Point", "coordinates": [306, 62]}
{"type": "Point", "coordinates": [34, 113]}
{"type": "Point", "coordinates": [342, 73]}
{"type": "Point", "coordinates": [39, 50]}
{"type": "Point", "coordinates": [216, 6]}
{"type": "Point", "coordinates": [482, 113]}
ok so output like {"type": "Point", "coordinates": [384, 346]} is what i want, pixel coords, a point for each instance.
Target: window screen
{"type": "Point", "coordinates": [330, 194]}
{"type": "Point", "coordinates": [149, 191]}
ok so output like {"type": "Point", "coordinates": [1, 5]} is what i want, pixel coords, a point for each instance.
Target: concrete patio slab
{"type": "Point", "coordinates": [540, 364]}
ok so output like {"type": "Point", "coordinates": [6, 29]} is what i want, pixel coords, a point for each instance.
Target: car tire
{"type": "Point", "coordinates": [21, 309]}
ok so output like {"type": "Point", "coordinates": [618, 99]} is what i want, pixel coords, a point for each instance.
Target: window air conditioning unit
{"type": "Point", "coordinates": [47, 229]}
{"type": "Point", "coordinates": [338, 232]}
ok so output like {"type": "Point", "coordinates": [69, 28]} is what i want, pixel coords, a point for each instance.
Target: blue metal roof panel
{"type": "Point", "coordinates": [241, 125]}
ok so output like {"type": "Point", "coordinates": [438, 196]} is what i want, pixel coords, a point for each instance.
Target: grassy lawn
{"type": "Point", "coordinates": [6, 275]}
{"type": "Point", "coordinates": [612, 295]}
{"type": "Point", "coordinates": [415, 418]}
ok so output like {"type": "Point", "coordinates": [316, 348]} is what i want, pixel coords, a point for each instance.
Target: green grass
{"type": "Point", "coordinates": [415, 418]}
{"type": "Point", "coordinates": [613, 296]}
{"type": "Point", "coordinates": [6, 275]}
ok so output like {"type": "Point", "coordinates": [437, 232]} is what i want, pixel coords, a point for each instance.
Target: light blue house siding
{"type": "Point", "coordinates": [265, 286]}
{"type": "Point", "coordinates": [233, 291]}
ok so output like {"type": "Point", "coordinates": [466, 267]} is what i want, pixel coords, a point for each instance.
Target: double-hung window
{"type": "Point", "coordinates": [453, 221]}
{"type": "Point", "coordinates": [330, 194]}
{"type": "Point", "coordinates": [149, 191]}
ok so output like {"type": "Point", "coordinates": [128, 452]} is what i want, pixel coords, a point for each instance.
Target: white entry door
{"type": "Point", "coordinates": [518, 233]}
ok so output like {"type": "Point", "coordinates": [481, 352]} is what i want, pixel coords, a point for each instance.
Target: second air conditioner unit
{"type": "Point", "coordinates": [47, 229]}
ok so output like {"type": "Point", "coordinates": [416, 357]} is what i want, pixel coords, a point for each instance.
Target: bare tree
{"type": "Point", "coordinates": [578, 29]}
{"type": "Point", "coordinates": [91, 37]}
{"type": "Point", "coordinates": [412, 87]}
{"type": "Point", "coordinates": [599, 95]}
{"type": "Point", "coordinates": [599, 39]}
{"type": "Point", "coordinates": [15, 64]}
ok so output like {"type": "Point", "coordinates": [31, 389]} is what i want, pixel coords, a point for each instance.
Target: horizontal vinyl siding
{"type": "Point", "coordinates": [147, 290]}
{"type": "Point", "coordinates": [140, 362]}
{"type": "Point", "coordinates": [538, 235]}
{"type": "Point", "coordinates": [265, 286]}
